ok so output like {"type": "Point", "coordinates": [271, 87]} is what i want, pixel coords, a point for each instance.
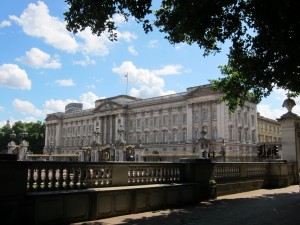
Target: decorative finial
{"type": "Point", "coordinates": [289, 104]}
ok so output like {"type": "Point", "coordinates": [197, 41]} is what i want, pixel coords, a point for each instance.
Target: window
{"type": "Point", "coordinates": [165, 136]}
{"type": "Point", "coordinates": [215, 133]}
{"type": "Point", "coordinates": [184, 136]}
{"type": "Point", "coordinates": [165, 120]}
{"type": "Point", "coordinates": [253, 136]}
{"type": "Point", "coordinates": [146, 122]}
{"type": "Point", "coordinates": [246, 136]}
{"type": "Point", "coordinates": [155, 122]}
{"type": "Point", "coordinates": [138, 123]}
{"type": "Point", "coordinates": [230, 134]}
{"type": "Point", "coordinates": [146, 138]}
{"type": "Point", "coordinates": [252, 120]}
{"type": "Point", "coordinates": [184, 119]}
{"type": "Point", "coordinates": [174, 136]}
{"type": "Point", "coordinates": [155, 137]}
{"type": "Point", "coordinates": [174, 119]}
{"type": "Point", "coordinates": [196, 134]}
{"type": "Point", "coordinates": [214, 115]}
{"type": "Point", "coordinates": [240, 135]}
{"type": "Point", "coordinates": [205, 116]}
{"type": "Point", "coordinates": [197, 117]}
{"type": "Point", "coordinates": [245, 117]}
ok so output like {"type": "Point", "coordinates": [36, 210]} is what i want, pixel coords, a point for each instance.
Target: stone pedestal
{"type": "Point", "coordinates": [290, 131]}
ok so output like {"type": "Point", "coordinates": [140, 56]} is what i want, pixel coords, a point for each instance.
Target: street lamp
{"type": "Point", "coordinates": [97, 134]}
{"type": "Point", "coordinates": [23, 135]}
{"type": "Point", "coordinates": [12, 135]}
{"type": "Point", "coordinates": [223, 148]}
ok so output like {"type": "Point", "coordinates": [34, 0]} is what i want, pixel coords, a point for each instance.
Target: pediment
{"type": "Point", "coordinates": [107, 105]}
{"type": "Point", "coordinates": [50, 117]}
{"type": "Point", "coordinates": [202, 91]}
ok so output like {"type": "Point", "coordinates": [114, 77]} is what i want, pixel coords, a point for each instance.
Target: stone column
{"type": "Point", "coordinates": [290, 131]}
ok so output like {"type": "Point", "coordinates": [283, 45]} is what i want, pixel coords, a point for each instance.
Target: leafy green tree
{"type": "Point", "coordinates": [264, 36]}
{"type": "Point", "coordinates": [35, 135]}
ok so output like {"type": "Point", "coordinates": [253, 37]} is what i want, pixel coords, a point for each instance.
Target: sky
{"type": "Point", "coordinates": [43, 67]}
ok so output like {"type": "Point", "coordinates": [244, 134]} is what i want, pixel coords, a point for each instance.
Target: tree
{"type": "Point", "coordinates": [35, 137]}
{"type": "Point", "coordinates": [264, 36]}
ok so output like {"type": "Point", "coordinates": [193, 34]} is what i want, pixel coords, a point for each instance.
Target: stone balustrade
{"type": "Point", "coordinates": [63, 192]}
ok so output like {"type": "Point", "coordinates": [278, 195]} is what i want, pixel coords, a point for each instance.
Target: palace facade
{"type": "Point", "coordinates": [170, 127]}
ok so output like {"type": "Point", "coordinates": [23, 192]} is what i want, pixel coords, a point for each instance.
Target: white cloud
{"type": "Point", "coordinates": [65, 83]}
{"type": "Point", "coordinates": [5, 23]}
{"type": "Point", "coordinates": [153, 44]}
{"type": "Point", "coordinates": [149, 83]}
{"type": "Point", "coordinates": [169, 70]}
{"type": "Point", "coordinates": [87, 61]}
{"type": "Point", "coordinates": [36, 58]}
{"type": "Point", "coordinates": [126, 36]}
{"type": "Point", "coordinates": [26, 107]}
{"type": "Point", "coordinates": [119, 19]}
{"type": "Point", "coordinates": [37, 22]}
{"type": "Point", "coordinates": [14, 77]}
{"type": "Point", "coordinates": [53, 106]}
{"type": "Point", "coordinates": [2, 108]}
{"type": "Point", "coordinates": [88, 100]}
{"type": "Point", "coordinates": [92, 44]}
{"type": "Point", "coordinates": [132, 50]}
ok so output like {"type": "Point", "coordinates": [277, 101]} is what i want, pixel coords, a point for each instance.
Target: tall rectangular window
{"type": "Point", "coordinates": [165, 137]}
{"type": "Point", "coordinates": [205, 116]}
{"type": "Point", "coordinates": [155, 121]}
{"type": "Point", "coordinates": [184, 136]}
{"type": "Point", "coordinates": [214, 114]}
{"type": "Point", "coordinates": [197, 117]}
{"type": "Point", "coordinates": [174, 119]}
{"type": "Point", "coordinates": [165, 120]}
{"type": "Point", "coordinates": [146, 122]}
{"type": "Point", "coordinates": [138, 123]}
{"type": "Point", "coordinates": [184, 119]}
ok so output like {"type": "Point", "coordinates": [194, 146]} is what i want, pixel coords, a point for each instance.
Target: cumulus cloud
{"type": "Point", "coordinates": [5, 23]}
{"type": "Point", "coordinates": [65, 83]}
{"type": "Point", "coordinates": [36, 58]}
{"type": "Point", "coordinates": [26, 108]}
{"type": "Point", "coordinates": [53, 106]}
{"type": "Point", "coordinates": [37, 22]}
{"type": "Point", "coordinates": [132, 50]}
{"type": "Point", "coordinates": [149, 82]}
{"type": "Point", "coordinates": [88, 100]}
{"type": "Point", "coordinates": [14, 77]}
{"type": "Point", "coordinates": [92, 44]}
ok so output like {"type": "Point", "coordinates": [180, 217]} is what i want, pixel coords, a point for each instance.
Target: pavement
{"type": "Point", "coordinates": [259, 207]}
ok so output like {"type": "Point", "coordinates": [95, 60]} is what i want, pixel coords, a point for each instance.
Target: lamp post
{"type": "Point", "coordinates": [12, 136]}
{"type": "Point", "coordinates": [203, 141]}
{"type": "Point", "coordinates": [223, 150]}
{"type": "Point", "coordinates": [97, 134]}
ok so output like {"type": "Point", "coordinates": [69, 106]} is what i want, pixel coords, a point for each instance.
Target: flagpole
{"type": "Point", "coordinates": [126, 82]}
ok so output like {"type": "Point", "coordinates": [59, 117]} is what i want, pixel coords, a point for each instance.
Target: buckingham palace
{"type": "Point", "coordinates": [191, 124]}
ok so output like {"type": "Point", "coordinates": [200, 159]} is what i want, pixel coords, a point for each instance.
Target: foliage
{"type": "Point", "coordinates": [35, 131]}
{"type": "Point", "coordinates": [264, 37]}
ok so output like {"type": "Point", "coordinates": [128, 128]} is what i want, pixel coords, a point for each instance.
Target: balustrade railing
{"type": "Point", "coordinates": [231, 171]}
{"type": "Point", "coordinates": [53, 176]}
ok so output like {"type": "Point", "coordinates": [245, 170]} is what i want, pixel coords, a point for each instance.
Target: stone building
{"type": "Point", "coordinates": [268, 130]}
{"type": "Point", "coordinates": [170, 127]}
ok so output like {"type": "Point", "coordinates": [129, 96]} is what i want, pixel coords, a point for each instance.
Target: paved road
{"type": "Point", "coordinates": [260, 207]}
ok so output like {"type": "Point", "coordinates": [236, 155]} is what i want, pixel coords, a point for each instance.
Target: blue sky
{"type": "Point", "coordinates": [43, 67]}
